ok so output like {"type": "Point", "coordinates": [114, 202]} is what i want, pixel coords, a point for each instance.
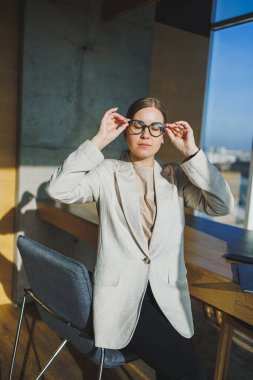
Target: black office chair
{"type": "Point", "coordinates": [62, 290]}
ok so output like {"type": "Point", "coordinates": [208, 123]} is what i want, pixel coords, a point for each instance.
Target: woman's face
{"type": "Point", "coordinates": [145, 146]}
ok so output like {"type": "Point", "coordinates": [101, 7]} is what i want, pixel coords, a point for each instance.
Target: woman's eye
{"type": "Point", "coordinates": [155, 128]}
{"type": "Point", "coordinates": [136, 125]}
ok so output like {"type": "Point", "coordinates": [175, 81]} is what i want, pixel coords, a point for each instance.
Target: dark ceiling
{"type": "Point", "coordinates": [191, 15]}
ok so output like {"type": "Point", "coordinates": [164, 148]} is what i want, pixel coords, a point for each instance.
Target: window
{"type": "Point", "coordinates": [227, 128]}
{"type": "Point", "coordinates": [226, 9]}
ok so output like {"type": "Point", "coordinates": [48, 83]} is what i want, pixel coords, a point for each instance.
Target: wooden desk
{"type": "Point", "coordinates": [212, 279]}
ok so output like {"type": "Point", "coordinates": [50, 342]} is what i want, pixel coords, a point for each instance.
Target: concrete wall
{"type": "Point", "coordinates": [74, 68]}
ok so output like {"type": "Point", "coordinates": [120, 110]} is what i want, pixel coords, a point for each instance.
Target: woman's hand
{"type": "Point", "coordinates": [112, 124]}
{"type": "Point", "coordinates": [181, 136]}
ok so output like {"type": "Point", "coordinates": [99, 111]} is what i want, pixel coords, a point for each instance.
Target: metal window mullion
{"type": "Point", "coordinates": [233, 21]}
{"type": "Point", "coordinates": [248, 222]}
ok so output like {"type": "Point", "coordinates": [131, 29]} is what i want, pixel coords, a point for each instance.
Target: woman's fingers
{"type": "Point", "coordinates": [109, 112]}
{"type": "Point", "coordinates": [177, 130]}
{"type": "Point", "coordinates": [111, 125]}
{"type": "Point", "coordinates": [113, 120]}
{"type": "Point", "coordinates": [170, 135]}
{"type": "Point", "coordinates": [174, 126]}
{"type": "Point", "coordinates": [184, 124]}
{"type": "Point", "coordinates": [170, 125]}
{"type": "Point", "coordinates": [116, 118]}
{"type": "Point", "coordinates": [117, 115]}
{"type": "Point", "coordinates": [122, 126]}
{"type": "Point", "coordinates": [181, 136]}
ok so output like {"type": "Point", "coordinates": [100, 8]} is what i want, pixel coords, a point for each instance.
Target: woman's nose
{"type": "Point", "coordinates": [145, 133]}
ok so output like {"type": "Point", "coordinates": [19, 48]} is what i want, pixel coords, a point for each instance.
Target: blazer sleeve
{"type": "Point", "coordinates": [77, 180]}
{"type": "Point", "coordinates": [203, 187]}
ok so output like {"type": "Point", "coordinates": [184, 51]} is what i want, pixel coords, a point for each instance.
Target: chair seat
{"type": "Point", "coordinates": [114, 358]}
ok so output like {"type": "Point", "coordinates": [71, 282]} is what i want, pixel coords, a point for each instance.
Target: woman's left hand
{"type": "Point", "coordinates": [181, 136]}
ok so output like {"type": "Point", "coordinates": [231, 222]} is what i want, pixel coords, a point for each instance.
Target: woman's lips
{"type": "Point", "coordinates": [144, 145]}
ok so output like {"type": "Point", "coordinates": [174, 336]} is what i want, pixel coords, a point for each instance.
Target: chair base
{"type": "Point", "coordinates": [62, 345]}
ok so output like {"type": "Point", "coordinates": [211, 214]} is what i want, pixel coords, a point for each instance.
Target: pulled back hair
{"type": "Point", "coordinates": [144, 103]}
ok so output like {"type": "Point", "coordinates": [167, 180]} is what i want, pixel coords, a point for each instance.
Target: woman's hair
{"type": "Point", "coordinates": [144, 103]}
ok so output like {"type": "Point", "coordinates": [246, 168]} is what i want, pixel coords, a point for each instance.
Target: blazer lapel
{"type": "Point", "coordinates": [129, 196]}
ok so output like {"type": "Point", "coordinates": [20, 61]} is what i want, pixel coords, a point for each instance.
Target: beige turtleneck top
{"type": "Point", "coordinates": [145, 179]}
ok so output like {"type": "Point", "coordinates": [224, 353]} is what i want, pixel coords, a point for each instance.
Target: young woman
{"type": "Point", "coordinates": [141, 298]}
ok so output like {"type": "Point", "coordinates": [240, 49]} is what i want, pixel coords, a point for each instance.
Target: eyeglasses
{"type": "Point", "coordinates": [155, 129]}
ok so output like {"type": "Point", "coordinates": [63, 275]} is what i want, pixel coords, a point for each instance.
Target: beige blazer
{"type": "Point", "coordinates": [124, 261]}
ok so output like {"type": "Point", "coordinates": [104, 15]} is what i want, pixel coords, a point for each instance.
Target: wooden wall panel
{"type": "Point", "coordinates": [9, 58]}
{"type": "Point", "coordinates": [178, 74]}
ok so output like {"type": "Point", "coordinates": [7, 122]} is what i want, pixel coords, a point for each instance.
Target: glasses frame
{"type": "Point", "coordinates": [143, 125]}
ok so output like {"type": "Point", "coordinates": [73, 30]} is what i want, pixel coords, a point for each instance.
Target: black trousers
{"type": "Point", "coordinates": [162, 347]}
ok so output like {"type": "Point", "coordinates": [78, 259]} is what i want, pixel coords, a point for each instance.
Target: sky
{"type": "Point", "coordinates": [228, 111]}
{"type": "Point", "coordinates": [225, 9]}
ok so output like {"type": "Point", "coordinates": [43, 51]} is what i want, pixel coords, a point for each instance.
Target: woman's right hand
{"type": "Point", "coordinates": [112, 124]}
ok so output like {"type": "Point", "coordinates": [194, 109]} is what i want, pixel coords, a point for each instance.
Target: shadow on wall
{"type": "Point", "coordinates": [26, 218]}
{"type": "Point", "coordinates": [17, 211]}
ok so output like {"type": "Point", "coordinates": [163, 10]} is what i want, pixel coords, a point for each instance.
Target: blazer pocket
{"type": "Point", "coordinates": [107, 275]}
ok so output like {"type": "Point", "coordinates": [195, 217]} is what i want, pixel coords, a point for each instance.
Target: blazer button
{"type": "Point", "coordinates": [146, 260]}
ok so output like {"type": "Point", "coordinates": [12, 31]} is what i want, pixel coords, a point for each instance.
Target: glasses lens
{"type": "Point", "coordinates": [135, 127]}
{"type": "Point", "coordinates": [156, 129]}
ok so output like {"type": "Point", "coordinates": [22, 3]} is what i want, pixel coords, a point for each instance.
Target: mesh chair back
{"type": "Point", "coordinates": [63, 284]}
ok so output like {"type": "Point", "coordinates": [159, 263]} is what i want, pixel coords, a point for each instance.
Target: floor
{"type": "Point", "coordinates": [71, 365]}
